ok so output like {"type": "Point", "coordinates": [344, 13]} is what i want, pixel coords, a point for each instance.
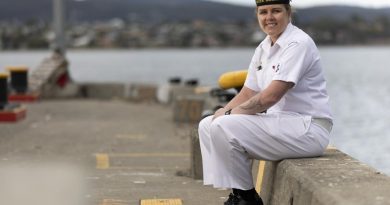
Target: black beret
{"type": "Point", "coordinates": [267, 2]}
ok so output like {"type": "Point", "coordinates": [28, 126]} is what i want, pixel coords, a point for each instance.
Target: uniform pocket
{"type": "Point", "coordinates": [288, 125]}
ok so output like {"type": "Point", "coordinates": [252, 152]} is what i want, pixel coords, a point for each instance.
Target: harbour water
{"type": "Point", "coordinates": [357, 82]}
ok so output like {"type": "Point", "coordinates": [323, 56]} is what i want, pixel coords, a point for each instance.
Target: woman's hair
{"type": "Point", "coordinates": [288, 8]}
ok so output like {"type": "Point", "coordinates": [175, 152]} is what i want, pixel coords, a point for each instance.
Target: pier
{"type": "Point", "coordinates": [116, 144]}
{"type": "Point", "coordinates": [126, 152]}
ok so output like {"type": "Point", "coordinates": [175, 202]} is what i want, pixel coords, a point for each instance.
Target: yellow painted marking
{"type": "Point", "coordinates": [131, 136]}
{"type": "Point", "coordinates": [260, 175]}
{"type": "Point", "coordinates": [161, 202]}
{"type": "Point", "coordinates": [331, 147]}
{"type": "Point", "coordinates": [148, 168]}
{"type": "Point", "coordinates": [114, 202]}
{"type": "Point", "coordinates": [149, 155]}
{"type": "Point", "coordinates": [102, 161]}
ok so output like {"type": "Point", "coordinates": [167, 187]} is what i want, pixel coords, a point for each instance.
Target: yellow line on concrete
{"type": "Point", "coordinates": [114, 202]}
{"type": "Point", "coordinates": [148, 168]}
{"type": "Point", "coordinates": [135, 155]}
{"type": "Point", "coordinates": [260, 175]}
{"type": "Point", "coordinates": [102, 161]}
{"type": "Point", "coordinates": [331, 147]}
{"type": "Point", "coordinates": [161, 202]}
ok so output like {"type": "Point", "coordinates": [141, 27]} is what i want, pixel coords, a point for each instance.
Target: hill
{"type": "Point", "coordinates": [168, 10]}
{"type": "Point", "coordinates": [170, 23]}
{"type": "Point", "coordinates": [340, 13]}
{"type": "Point", "coordinates": [144, 10]}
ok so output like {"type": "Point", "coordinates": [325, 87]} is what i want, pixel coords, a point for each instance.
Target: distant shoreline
{"type": "Point", "coordinates": [378, 45]}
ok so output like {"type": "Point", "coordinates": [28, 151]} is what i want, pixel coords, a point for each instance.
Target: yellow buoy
{"type": "Point", "coordinates": [234, 79]}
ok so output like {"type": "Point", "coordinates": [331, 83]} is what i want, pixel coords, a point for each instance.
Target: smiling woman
{"type": "Point", "coordinates": [281, 112]}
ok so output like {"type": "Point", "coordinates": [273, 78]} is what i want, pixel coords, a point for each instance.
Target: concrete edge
{"type": "Point", "coordinates": [333, 179]}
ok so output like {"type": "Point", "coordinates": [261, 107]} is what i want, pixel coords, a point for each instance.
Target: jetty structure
{"type": "Point", "coordinates": [123, 144]}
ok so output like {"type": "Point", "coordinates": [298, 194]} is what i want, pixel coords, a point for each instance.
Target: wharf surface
{"type": "Point", "coordinates": [125, 151]}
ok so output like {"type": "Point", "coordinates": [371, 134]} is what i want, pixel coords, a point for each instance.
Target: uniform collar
{"type": "Point", "coordinates": [282, 40]}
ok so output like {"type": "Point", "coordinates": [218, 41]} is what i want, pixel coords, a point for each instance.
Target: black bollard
{"type": "Point", "coordinates": [3, 90]}
{"type": "Point", "coordinates": [19, 79]}
{"type": "Point", "coordinates": [192, 82]}
{"type": "Point", "coordinates": [175, 80]}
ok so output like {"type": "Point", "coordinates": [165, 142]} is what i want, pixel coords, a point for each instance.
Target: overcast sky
{"type": "Point", "coordinates": [308, 3]}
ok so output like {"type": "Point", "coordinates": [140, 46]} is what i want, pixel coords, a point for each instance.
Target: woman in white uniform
{"type": "Point", "coordinates": [281, 112]}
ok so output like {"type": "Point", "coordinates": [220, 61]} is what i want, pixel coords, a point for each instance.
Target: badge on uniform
{"type": "Point", "coordinates": [276, 68]}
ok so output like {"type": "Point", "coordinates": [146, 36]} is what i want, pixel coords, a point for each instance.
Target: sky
{"type": "Point", "coordinates": [309, 3]}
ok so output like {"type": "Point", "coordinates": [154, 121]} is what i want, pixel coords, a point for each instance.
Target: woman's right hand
{"type": "Point", "coordinates": [219, 112]}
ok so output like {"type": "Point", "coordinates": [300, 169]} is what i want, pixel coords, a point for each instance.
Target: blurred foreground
{"type": "Point", "coordinates": [41, 184]}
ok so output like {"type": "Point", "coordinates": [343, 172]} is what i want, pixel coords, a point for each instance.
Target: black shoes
{"type": "Point", "coordinates": [231, 199]}
{"type": "Point", "coordinates": [238, 200]}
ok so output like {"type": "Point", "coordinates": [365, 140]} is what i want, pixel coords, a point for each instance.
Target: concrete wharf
{"type": "Point", "coordinates": [113, 144]}
{"type": "Point", "coordinates": [121, 152]}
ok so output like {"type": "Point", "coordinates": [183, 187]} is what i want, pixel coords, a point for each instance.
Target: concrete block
{"type": "Point", "coordinates": [12, 113]}
{"type": "Point", "coordinates": [268, 181]}
{"type": "Point", "coordinates": [196, 156]}
{"type": "Point", "coordinates": [141, 93]}
{"type": "Point", "coordinates": [102, 90]}
{"type": "Point", "coordinates": [164, 94]}
{"type": "Point", "coordinates": [180, 90]}
{"type": "Point", "coordinates": [188, 109]}
{"type": "Point", "coordinates": [333, 179]}
{"type": "Point", "coordinates": [70, 90]}
{"type": "Point", "coordinates": [167, 93]}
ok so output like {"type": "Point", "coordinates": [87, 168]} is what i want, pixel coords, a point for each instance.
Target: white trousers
{"type": "Point", "coordinates": [229, 143]}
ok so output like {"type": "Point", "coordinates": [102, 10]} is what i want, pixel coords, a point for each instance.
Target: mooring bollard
{"type": "Point", "coordinates": [19, 85]}
{"type": "Point", "coordinates": [3, 90]}
{"type": "Point", "coordinates": [9, 112]}
{"type": "Point", "coordinates": [192, 82]}
{"type": "Point", "coordinates": [174, 80]}
{"type": "Point", "coordinates": [19, 79]}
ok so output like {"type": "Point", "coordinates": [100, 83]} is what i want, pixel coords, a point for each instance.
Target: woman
{"type": "Point", "coordinates": [282, 111]}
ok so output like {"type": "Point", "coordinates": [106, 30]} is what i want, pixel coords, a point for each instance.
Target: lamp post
{"type": "Point", "coordinates": [58, 24]}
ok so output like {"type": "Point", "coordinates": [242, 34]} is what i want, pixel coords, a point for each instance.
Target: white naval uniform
{"type": "Point", "coordinates": [287, 130]}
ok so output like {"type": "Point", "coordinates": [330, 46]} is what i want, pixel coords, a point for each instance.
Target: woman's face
{"type": "Point", "coordinates": [273, 19]}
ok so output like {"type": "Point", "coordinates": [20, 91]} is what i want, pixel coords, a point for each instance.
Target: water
{"type": "Point", "coordinates": [357, 83]}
